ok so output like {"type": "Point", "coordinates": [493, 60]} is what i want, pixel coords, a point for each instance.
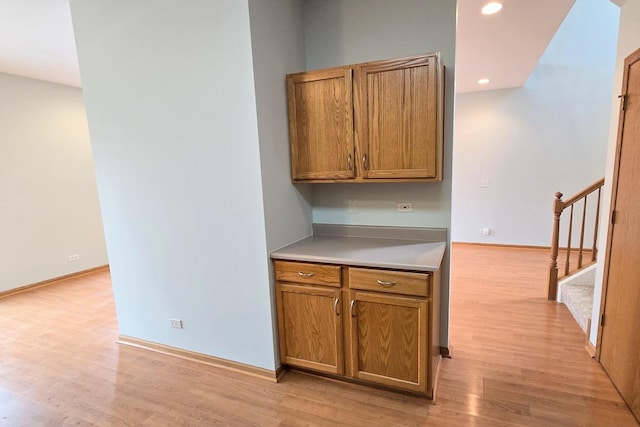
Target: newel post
{"type": "Point", "coordinates": [558, 207]}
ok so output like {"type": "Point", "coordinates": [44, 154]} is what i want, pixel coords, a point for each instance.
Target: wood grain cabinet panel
{"type": "Point", "coordinates": [379, 120]}
{"type": "Point", "coordinates": [389, 340]}
{"type": "Point", "coordinates": [398, 118]}
{"type": "Point", "coordinates": [321, 124]}
{"type": "Point", "coordinates": [398, 282]}
{"type": "Point", "coordinates": [383, 330]}
{"type": "Point", "coordinates": [303, 272]}
{"type": "Point", "coordinates": [310, 327]}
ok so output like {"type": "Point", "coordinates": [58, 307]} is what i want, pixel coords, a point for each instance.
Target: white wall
{"type": "Point", "coordinates": [277, 38]}
{"type": "Point", "coordinates": [340, 32]}
{"type": "Point", "coordinates": [170, 98]}
{"type": "Point", "coordinates": [49, 203]}
{"type": "Point", "coordinates": [628, 42]}
{"type": "Point", "coordinates": [530, 142]}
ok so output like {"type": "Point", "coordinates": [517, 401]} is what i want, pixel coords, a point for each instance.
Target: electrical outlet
{"type": "Point", "coordinates": [176, 323]}
{"type": "Point", "coordinates": [484, 183]}
{"type": "Point", "coordinates": [74, 257]}
{"type": "Point", "coordinates": [405, 207]}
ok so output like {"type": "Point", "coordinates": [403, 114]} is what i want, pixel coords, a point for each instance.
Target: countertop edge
{"type": "Point", "coordinates": [357, 252]}
{"type": "Point", "coordinates": [355, 263]}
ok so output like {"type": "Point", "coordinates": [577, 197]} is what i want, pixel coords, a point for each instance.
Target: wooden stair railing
{"type": "Point", "coordinates": [558, 207]}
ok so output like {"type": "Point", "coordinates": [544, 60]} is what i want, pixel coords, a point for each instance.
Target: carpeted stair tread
{"type": "Point", "coordinates": [579, 300]}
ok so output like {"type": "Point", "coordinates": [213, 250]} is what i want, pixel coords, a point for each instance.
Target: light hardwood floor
{"type": "Point", "coordinates": [518, 359]}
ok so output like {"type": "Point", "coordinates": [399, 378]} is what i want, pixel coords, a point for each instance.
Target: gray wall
{"type": "Point", "coordinates": [170, 98]}
{"type": "Point", "coordinates": [550, 135]}
{"type": "Point", "coordinates": [340, 32]}
{"type": "Point", "coordinates": [277, 38]}
{"type": "Point", "coordinates": [628, 42]}
{"type": "Point", "coordinates": [49, 205]}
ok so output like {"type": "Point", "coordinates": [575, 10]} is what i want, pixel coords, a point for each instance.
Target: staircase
{"type": "Point", "coordinates": [576, 292]}
{"type": "Point", "coordinates": [575, 287]}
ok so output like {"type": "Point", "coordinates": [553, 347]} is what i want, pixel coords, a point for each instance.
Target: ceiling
{"type": "Point", "coordinates": [504, 47]}
{"type": "Point", "coordinates": [36, 41]}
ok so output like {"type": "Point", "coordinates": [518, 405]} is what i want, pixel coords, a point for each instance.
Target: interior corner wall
{"type": "Point", "coordinates": [170, 97]}
{"type": "Point", "coordinates": [550, 135]}
{"type": "Point", "coordinates": [49, 206]}
{"type": "Point", "coordinates": [628, 42]}
{"type": "Point", "coordinates": [277, 41]}
{"type": "Point", "coordinates": [340, 32]}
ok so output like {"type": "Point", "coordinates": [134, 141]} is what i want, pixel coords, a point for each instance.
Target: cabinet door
{"type": "Point", "coordinates": [389, 337]}
{"type": "Point", "coordinates": [398, 115]}
{"type": "Point", "coordinates": [321, 124]}
{"type": "Point", "coordinates": [310, 327]}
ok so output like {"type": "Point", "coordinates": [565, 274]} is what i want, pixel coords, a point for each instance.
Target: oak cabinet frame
{"type": "Point", "coordinates": [378, 326]}
{"type": "Point", "coordinates": [379, 121]}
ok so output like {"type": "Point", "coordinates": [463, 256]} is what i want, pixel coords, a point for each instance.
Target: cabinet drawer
{"type": "Point", "coordinates": [397, 282]}
{"type": "Point", "coordinates": [301, 272]}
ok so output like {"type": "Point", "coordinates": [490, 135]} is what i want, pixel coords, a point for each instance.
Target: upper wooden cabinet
{"type": "Point", "coordinates": [321, 124]}
{"type": "Point", "coordinates": [398, 118]}
{"type": "Point", "coordinates": [378, 120]}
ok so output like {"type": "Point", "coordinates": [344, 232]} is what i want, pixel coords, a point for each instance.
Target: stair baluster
{"type": "Point", "coordinates": [558, 207]}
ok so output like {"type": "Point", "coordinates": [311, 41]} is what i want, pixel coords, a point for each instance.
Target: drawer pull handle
{"type": "Point", "coordinates": [386, 284]}
{"type": "Point", "coordinates": [301, 274]}
{"type": "Point", "coordinates": [335, 306]}
{"type": "Point", "coordinates": [351, 308]}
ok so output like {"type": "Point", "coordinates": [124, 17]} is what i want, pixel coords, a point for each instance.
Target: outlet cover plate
{"type": "Point", "coordinates": [405, 206]}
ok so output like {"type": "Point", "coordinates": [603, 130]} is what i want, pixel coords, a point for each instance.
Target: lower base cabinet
{"type": "Point", "coordinates": [372, 325]}
{"type": "Point", "coordinates": [310, 327]}
{"type": "Point", "coordinates": [389, 341]}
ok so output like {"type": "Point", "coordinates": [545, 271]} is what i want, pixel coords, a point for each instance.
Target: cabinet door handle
{"type": "Point", "coordinates": [364, 162]}
{"type": "Point", "coordinates": [351, 308]}
{"type": "Point", "coordinates": [386, 284]}
{"type": "Point", "coordinates": [335, 306]}
{"type": "Point", "coordinates": [301, 274]}
{"type": "Point", "coordinates": [349, 162]}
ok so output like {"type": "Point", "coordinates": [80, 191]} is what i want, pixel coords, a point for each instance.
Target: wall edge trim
{"type": "Point", "coordinates": [52, 281]}
{"type": "Point", "coordinates": [204, 359]}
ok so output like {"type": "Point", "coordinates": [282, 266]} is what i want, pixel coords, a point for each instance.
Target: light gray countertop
{"type": "Point", "coordinates": [418, 249]}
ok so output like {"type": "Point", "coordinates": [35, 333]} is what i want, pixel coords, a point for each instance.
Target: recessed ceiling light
{"type": "Point", "coordinates": [491, 8]}
{"type": "Point", "coordinates": [483, 81]}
